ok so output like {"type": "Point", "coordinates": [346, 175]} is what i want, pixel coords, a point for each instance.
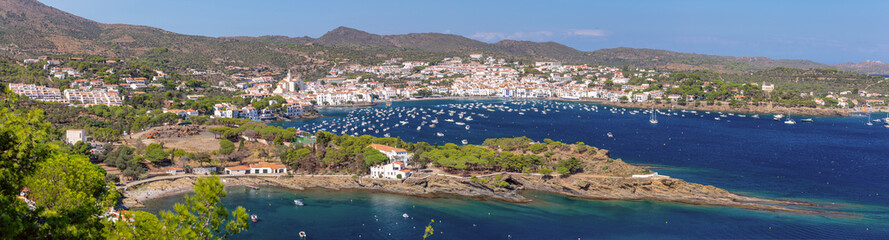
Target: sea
{"type": "Point", "coordinates": [838, 162]}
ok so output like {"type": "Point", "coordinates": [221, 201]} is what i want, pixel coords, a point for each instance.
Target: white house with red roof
{"type": "Point", "coordinates": [395, 170]}
{"type": "Point", "coordinates": [394, 154]}
{"type": "Point", "coordinates": [256, 168]}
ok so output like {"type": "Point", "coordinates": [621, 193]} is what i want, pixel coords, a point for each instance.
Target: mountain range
{"type": "Point", "coordinates": [28, 27]}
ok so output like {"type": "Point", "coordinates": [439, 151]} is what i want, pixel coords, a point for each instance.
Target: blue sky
{"type": "Point", "coordinates": [824, 31]}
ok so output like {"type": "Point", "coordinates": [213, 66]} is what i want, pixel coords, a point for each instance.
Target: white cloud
{"type": "Point", "coordinates": [588, 33]}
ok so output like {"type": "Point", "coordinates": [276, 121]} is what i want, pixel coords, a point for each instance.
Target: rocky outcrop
{"type": "Point", "coordinates": [658, 188]}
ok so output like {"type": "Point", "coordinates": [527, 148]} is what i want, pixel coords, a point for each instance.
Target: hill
{"type": "Point", "coordinates": [28, 27]}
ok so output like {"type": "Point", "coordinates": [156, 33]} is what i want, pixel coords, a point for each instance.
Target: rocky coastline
{"type": "Point", "coordinates": [656, 188]}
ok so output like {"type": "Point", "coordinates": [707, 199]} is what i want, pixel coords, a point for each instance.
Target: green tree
{"type": "Point", "coordinates": [226, 146]}
{"type": "Point", "coordinates": [373, 157]}
{"type": "Point", "coordinates": [81, 148]}
{"type": "Point", "coordinates": [201, 216]}
{"type": "Point", "coordinates": [70, 193]}
{"type": "Point", "coordinates": [23, 144]}
{"type": "Point", "coordinates": [154, 152]}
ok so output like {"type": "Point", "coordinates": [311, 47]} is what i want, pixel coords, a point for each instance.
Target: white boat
{"type": "Point", "coordinates": [464, 142]}
{"type": "Point", "coordinates": [716, 118]}
{"type": "Point", "coordinates": [653, 119]}
{"type": "Point", "coordinates": [806, 120]}
{"type": "Point", "coordinates": [755, 116]}
{"type": "Point", "coordinates": [869, 121]}
{"type": "Point", "coordinates": [419, 127]}
{"type": "Point", "coordinates": [439, 134]}
{"type": "Point", "coordinates": [609, 134]}
{"type": "Point", "coordinates": [254, 218]}
{"type": "Point", "coordinates": [298, 202]}
{"type": "Point", "coordinates": [779, 117]}
{"type": "Point", "coordinates": [460, 123]}
{"type": "Point", "coordinates": [405, 215]}
{"type": "Point", "coordinates": [467, 127]}
{"type": "Point", "coordinates": [789, 120]}
{"type": "Point", "coordinates": [302, 234]}
{"type": "Point", "coordinates": [449, 120]}
{"type": "Point", "coordinates": [469, 118]}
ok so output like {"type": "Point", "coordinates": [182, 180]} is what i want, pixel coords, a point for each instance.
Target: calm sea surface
{"type": "Point", "coordinates": [839, 161]}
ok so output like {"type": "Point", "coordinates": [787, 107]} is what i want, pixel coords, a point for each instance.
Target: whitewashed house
{"type": "Point", "coordinates": [394, 154]}
{"type": "Point", "coordinates": [395, 170]}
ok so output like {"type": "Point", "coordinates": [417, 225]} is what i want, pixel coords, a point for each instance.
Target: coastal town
{"type": "Point", "coordinates": [473, 76]}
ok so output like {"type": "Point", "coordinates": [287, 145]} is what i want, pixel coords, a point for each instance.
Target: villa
{"type": "Point", "coordinates": [394, 154]}
{"type": "Point", "coordinates": [395, 170]}
{"type": "Point", "coordinates": [256, 168]}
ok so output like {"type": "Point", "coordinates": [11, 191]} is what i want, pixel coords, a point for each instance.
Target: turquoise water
{"type": "Point", "coordinates": [837, 161]}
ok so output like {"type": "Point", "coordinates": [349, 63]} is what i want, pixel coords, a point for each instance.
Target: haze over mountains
{"type": "Point", "coordinates": [28, 27]}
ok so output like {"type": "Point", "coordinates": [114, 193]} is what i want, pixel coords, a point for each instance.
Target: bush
{"type": "Point", "coordinates": [545, 171]}
{"type": "Point", "coordinates": [226, 146]}
{"type": "Point", "coordinates": [538, 148]}
{"type": "Point", "coordinates": [563, 170]}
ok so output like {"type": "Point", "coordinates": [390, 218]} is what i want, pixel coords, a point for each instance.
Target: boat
{"type": "Point", "coordinates": [298, 202]}
{"type": "Point", "coordinates": [469, 118]}
{"type": "Point", "coordinates": [439, 134]}
{"type": "Point", "coordinates": [653, 119]}
{"type": "Point", "coordinates": [464, 142]}
{"type": "Point", "coordinates": [449, 120]}
{"type": "Point", "coordinates": [253, 187]}
{"type": "Point", "coordinates": [609, 134]}
{"type": "Point", "coordinates": [302, 234]}
{"type": "Point", "coordinates": [419, 127]}
{"type": "Point", "coordinates": [869, 121]}
{"type": "Point", "coordinates": [405, 215]}
{"type": "Point", "coordinates": [716, 118]}
{"type": "Point", "coordinates": [789, 120]}
{"type": "Point", "coordinates": [460, 123]}
{"type": "Point", "coordinates": [886, 126]}
{"type": "Point", "coordinates": [254, 218]}
{"type": "Point", "coordinates": [779, 117]}
{"type": "Point", "coordinates": [755, 116]}
{"type": "Point", "coordinates": [806, 120]}
{"type": "Point", "coordinates": [467, 127]}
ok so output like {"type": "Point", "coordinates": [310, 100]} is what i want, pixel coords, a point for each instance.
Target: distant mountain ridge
{"type": "Point", "coordinates": [30, 27]}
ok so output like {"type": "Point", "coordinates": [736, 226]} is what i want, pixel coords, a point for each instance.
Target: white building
{"type": "Point", "coordinates": [237, 170]}
{"type": "Point", "coordinates": [395, 170]}
{"type": "Point", "coordinates": [256, 168]}
{"type": "Point", "coordinates": [394, 154]}
{"type": "Point", "coordinates": [73, 136]}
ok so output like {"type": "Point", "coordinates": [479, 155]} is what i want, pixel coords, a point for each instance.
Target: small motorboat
{"type": "Point", "coordinates": [299, 202]}
{"type": "Point", "coordinates": [439, 134]}
{"type": "Point", "coordinates": [405, 215]}
{"type": "Point", "coordinates": [610, 135]}
{"type": "Point", "coordinates": [302, 234]}
{"type": "Point", "coordinates": [806, 120]}
{"type": "Point", "coordinates": [254, 218]}
{"type": "Point", "coordinates": [464, 142]}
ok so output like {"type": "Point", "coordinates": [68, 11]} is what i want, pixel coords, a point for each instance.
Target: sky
{"type": "Point", "coordinates": [823, 31]}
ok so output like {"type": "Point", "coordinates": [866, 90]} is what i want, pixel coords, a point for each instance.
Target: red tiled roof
{"type": "Point", "coordinates": [235, 168]}
{"type": "Point", "coordinates": [386, 148]}
{"type": "Point", "coordinates": [267, 165]}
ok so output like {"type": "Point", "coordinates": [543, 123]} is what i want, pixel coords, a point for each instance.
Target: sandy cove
{"type": "Point", "coordinates": [658, 188]}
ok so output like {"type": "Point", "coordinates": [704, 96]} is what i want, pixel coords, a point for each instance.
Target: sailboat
{"type": "Point", "coordinates": [789, 120]}
{"type": "Point", "coordinates": [653, 119]}
{"type": "Point", "coordinates": [870, 122]}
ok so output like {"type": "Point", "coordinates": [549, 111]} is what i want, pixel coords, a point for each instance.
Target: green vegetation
{"type": "Point", "coordinates": [68, 194]}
